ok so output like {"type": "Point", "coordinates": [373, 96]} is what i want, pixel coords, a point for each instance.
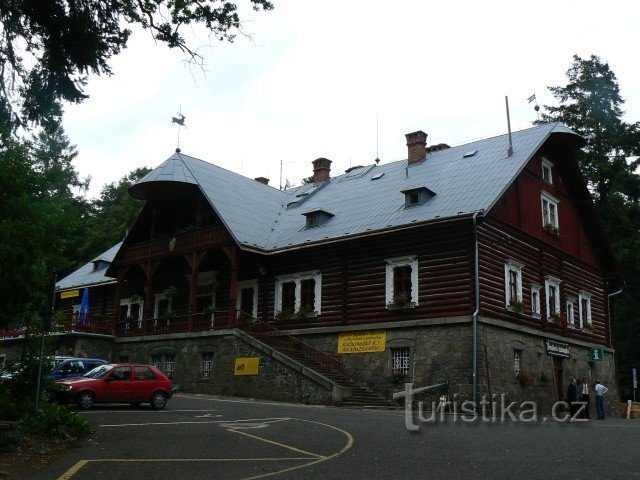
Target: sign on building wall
{"type": "Point", "coordinates": [70, 294]}
{"type": "Point", "coordinates": [362, 342]}
{"type": "Point", "coordinates": [558, 349]}
{"type": "Point", "coordinates": [596, 353]}
{"type": "Point", "coordinates": [247, 366]}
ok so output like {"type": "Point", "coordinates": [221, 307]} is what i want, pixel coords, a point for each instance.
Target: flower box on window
{"type": "Point", "coordinates": [524, 378]}
{"type": "Point", "coordinates": [401, 301]}
{"type": "Point", "coordinates": [516, 306]}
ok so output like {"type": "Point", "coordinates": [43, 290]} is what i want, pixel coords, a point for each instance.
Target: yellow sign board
{"type": "Point", "coordinates": [247, 366]}
{"type": "Point", "coordinates": [362, 342]}
{"type": "Point", "coordinates": [70, 294]}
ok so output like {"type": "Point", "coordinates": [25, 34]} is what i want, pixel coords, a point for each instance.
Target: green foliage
{"type": "Point", "coordinates": [591, 105]}
{"type": "Point", "coordinates": [48, 48]}
{"type": "Point", "coordinates": [55, 420]}
{"type": "Point", "coordinates": [42, 216]}
{"type": "Point", "coordinates": [111, 215]}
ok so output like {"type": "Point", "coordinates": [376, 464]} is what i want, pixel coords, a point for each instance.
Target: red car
{"type": "Point", "coordinates": [133, 383]}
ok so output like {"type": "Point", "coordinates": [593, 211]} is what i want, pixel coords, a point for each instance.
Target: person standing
{"type": "Point", "coordinates": [572, 396]}
{"type": "Point", "coordinates": [600, 391]}
{"type": "Point", "coordinates": [584, 397]}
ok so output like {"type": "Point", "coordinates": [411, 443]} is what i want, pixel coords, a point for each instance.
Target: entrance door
{"type": "Point", "coordinates": [557, 375]}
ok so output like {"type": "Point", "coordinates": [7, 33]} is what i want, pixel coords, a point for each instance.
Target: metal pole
{"type": "Point", "coordinates": [510, 149]}
{"type": "Point", "coordinates": [44, 323]}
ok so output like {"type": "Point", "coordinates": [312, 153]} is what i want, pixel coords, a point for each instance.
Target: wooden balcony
{"type": "Point", "coordinates": [186, 242]}
{"type": "Point", "coordinates": [172, 324]}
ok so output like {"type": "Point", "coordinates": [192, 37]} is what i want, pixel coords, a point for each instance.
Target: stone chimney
{"type": "Point", "coordinates": [321, 170]}
{"type": "Point", "coordinates": [262, 180]}
{"type": "Point", "coordinates": [417, 146]}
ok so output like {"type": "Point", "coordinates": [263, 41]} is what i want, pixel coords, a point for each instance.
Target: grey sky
{"type": "Point", "coordinates": [315, 74]}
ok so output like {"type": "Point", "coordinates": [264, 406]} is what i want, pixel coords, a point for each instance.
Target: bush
{"type": "Point", "coordinates": [56, 420]}
{"type": "Point", "coordinates": [9, 440]}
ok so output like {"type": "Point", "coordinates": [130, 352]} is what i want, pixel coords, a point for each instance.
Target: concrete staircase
{"type": "Point", "coordinates": [358, 396]}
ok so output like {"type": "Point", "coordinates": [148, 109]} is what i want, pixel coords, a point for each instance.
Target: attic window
{"type": "Point", "coordinates": [100, 265]}
{"type": "Point", "coordinates": [356, 172]}
{"type": "Point", "coordinates": [417, 196]}
{"type": "Point", "coordinates": [470, 153]}
{"type": "Point", "coordinates": [547, 174]}
{"type": "Point", "coordinates": [317, 218]}
{"type": "Point", "coordinates": [377, 176]}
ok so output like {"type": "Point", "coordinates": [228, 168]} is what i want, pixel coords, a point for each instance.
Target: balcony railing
{"type": "Point", "coordinates": [185, 242]}
{"type": "Point", "coordinates": [172, 324]}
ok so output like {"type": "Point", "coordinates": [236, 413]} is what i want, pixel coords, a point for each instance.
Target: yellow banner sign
{"type": "Point", "coordinates": [362, 342]}
{"type": "Point", "coordinates": [70, 294]}
{"type": "Point", "coordinates": [247, 366]}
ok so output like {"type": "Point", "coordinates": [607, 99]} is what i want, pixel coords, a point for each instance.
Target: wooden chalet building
{"type": "Point", "coordinates": [485, 268]}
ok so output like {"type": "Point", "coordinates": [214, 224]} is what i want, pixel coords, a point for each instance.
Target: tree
{"type": "Point", "coordinates": [47, 48]}
{"type": "Point", "coordinates": [41, 219]}
{"type": "Point", "coordinates": [111, 215]}
{"type": "Point", "coordinates": [591, 105]}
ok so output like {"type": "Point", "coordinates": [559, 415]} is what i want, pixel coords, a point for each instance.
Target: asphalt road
{"type": "Point", "coordinates": [204, 437]}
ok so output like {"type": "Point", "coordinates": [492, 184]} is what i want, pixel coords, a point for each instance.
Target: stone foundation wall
{"type": "Point", "coordinates": [275, 381]}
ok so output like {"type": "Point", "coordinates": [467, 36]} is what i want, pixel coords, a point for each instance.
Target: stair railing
{"type": "Point", "coordinates": [313, 354]}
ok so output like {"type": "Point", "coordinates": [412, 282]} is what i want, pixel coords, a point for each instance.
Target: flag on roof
{"type": "Point", "coordinates": [83, 313]}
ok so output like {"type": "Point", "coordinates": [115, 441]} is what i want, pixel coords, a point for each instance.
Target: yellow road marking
{"type": "Point", "coordinates": [289, 447]}
{"type": "Point", "coordinates": [348, 445]}
{"type": "Point", "coordinates": [73, 470]}
{"type": "Point", "coordinates": [311, 456]}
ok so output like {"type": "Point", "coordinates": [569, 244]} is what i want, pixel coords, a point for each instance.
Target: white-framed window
{"type": "Point", "coordinates": [402, 280]}
{"type": "Point", "coordinates": [400, 360]}
{"type": "Point", "coordinates": [535, 300]}
{"type": "Point", "coordinates": [547, 172]}
{"type": "Point", "coordinates": [247, 298]}
{"type": "Point", "coordinates": [571, 311]}
{"type": "Point", "coordinates": [169, 364]}
{"type": "Point", "coordinates": [298, 291]}
{"type": "Point", "coordinates": [156, 361]}
{"type": "Point", "coordinates": [207, 365]}
{"type": "Point", "coordinates": [549, 212]}
{"type": "Point", "coordinates": [552, 293]}
{"type": "Point", "coordinates": [513, 283]}
{"type": "Point", "coordinates": [517, 361]}
{"type": "Point", "coordinates": [584, 309]}
{"type": "Point", "coordinates": [162, 305]}
{"type": "Point", "coordinates": [132, 309]}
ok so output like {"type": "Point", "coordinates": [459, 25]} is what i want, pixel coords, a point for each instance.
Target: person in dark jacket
{"type": "Point", "coordinates": [584, 397]}
{"type": "Point", "coordinates": [572, 396]}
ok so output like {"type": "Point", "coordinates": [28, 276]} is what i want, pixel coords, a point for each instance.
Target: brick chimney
{"type": "Point", "coordinates": [262, 180]}
{"type": "Point", "coordinates": [417, 146]}
{"type": "Point", "coordinates": [321, 170]}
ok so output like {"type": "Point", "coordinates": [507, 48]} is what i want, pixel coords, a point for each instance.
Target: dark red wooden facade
{"type": "Point", "coordinates": [159, 254]}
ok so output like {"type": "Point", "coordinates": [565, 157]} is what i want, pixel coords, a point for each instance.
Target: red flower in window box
{"type": "Point", "coordinates": [524, 378]}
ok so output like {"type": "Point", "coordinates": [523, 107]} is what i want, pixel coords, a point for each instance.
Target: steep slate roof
{"type": "Point", "coordinates": [257, 216]}
{"type": "Point", "coordinates": [85, 276]}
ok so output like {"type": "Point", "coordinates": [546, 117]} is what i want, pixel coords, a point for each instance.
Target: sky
{"type": "Point", "coordinates": [345, 80]}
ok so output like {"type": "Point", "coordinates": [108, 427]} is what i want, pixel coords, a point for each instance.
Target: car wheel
{"type": "Point", "coordinates": [159, 400]}
{"type": "Point", "coordinates": [135, 404]}
{"type": "Point", "coordinates": [85, 400]}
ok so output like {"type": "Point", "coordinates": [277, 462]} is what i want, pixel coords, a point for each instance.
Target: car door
{"type": "Point", "coordinates": [144, 383]}
{"type": "Point", "coordinates": [117, 386]}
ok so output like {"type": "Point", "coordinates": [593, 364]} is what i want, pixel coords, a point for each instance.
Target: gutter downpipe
{"type": "Point", "coordinates": [476, 280]}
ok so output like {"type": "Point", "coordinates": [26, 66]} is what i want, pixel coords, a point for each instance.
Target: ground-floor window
{"type": "Point", "coordinates": [400, 359]}
{"type": "Point", "coordinates": [123, 359]}
{"type": "Point", "coordinates": [517, 361]}
{"type": "Point", "coordinates": [156, 361]}
{"type": "Point", "coordinates": [169, 364]}
{"type": "Point", "coordinates": [207, 365]}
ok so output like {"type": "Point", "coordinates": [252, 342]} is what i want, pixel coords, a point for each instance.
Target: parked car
{"type": "Point", "coordinates": [68, 367]}
{"type": "Point", "coordinates": [133, 383]}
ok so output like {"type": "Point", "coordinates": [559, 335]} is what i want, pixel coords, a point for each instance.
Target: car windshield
{"type": "Point", "coordinates": [99, 372]}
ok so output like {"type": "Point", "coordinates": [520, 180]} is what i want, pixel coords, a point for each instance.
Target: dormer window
{"type": "Point", "coordinates": [417, 196]}
{"type": "Point", "coordinates": [317, 218]}
{"type": "Point", "coordinates": [547, 174]}
{"type": "Point", "coordinates": [100, 265]}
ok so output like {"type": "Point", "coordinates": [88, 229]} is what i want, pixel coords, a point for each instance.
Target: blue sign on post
{"type": "Point", "coordinates": [634, 374]}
